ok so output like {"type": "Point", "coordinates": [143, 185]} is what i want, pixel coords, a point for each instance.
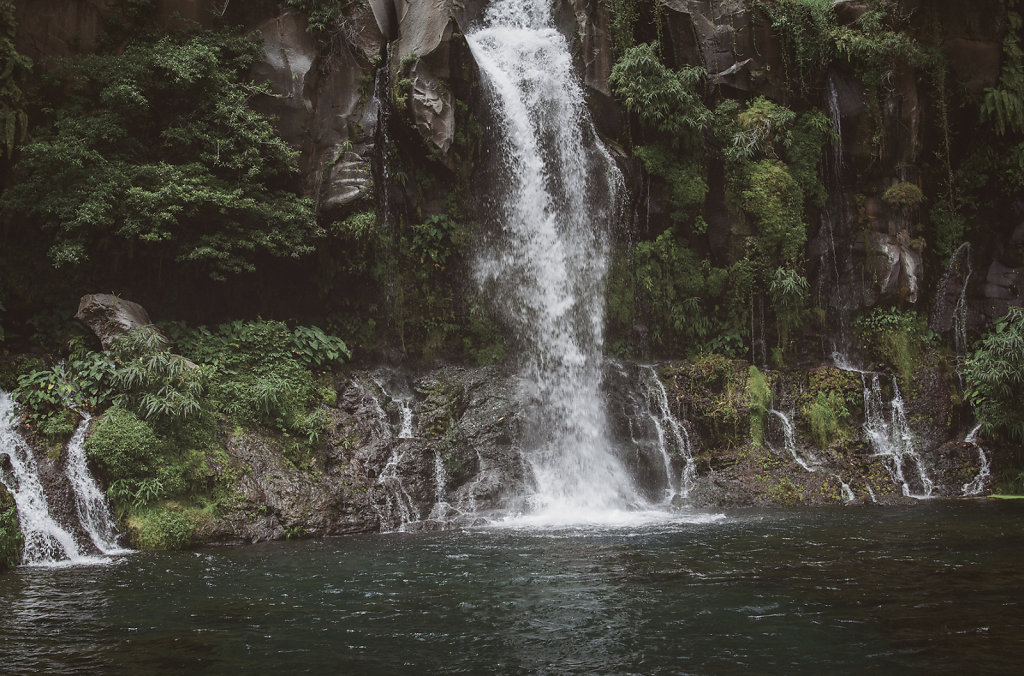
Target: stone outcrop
{"type": "Point", "coordinates": [323, 101]}
{"type": "Point", "coordinates": [110, 317]}
{"type": "Point", "coordinates": [462, 461]}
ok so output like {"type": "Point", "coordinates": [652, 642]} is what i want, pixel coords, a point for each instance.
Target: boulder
{"type": "Point", "coordinates": [1001, 289]}
{"type": "Point", "coordinates": [895, 267]}
{"type": "Point", "coordinates": [110, 317]}
{"type": "Point", "coordinates": [425, 31]}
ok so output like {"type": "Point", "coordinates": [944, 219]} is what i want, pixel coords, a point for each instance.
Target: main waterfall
{"type": "Point", "coordinates": [546, 265]}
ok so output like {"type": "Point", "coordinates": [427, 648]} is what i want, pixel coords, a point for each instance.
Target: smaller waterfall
{"type": "Point", "coordinates": [672, 437]}
{"type": "Point", "coordinates": [405, 426]}
{"type": "Point", "coordinates": [399, 508]}
{"type": "Point", "coordinates": [789, 438]}
{"type": "Point", "coordinates": [382, 427]}
{"type": "Point", "coordinates": [977, 485]}
{"type": "Point", "coordinates": [810, 464]}
{"type": "Point", "coordinates": [45, 540]}
{"type": "Point", "coordinates": [835, 116]}
{"type": "Point", "coordinates": [90, 503]}
{"type": "Point", "coordinates": [441, 511]}
{"type": "Point", "coordinates": [891, 437]}
{"type": "Point", "coordinates": [949, 315]}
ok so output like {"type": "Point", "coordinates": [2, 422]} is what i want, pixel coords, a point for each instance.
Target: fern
{"type": "Point", "coordinates": [1003, 106]}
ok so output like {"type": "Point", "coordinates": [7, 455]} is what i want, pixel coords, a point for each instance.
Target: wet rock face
{"type": "Point", "coordinates": [461, 460]}
{"type": "Point", "coordinates": [323, 102]}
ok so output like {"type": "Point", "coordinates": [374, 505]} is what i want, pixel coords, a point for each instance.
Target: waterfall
{"type": "Point", "coordinates": [789, 439]}
{"type": "Point", "coordinates": [399, 508]}
{"type": "Point", "coordinates": [90, 503]}
{"type": "Point", "coordinates": [673, 438]}
{"type": "Point", "coordinates": [811, 464]}
{"type": "Point", "coordinates": [548, 261]}
{"type": "Point", "coordinates": [977, 485]}
{"type": "Point", "coordinates": [836, 279]}
{"type": "Point", "coordinates": [382, 427]}
{"type": "Point", "coordinates": [442, 510]}
{"type": "Point", "coordinates": [951, 315]}
{"type": "Point", "coordinates": [403, 428]}
{"type": "Point", "coordinates": [891, 437]}
{"type": "Point", "coordinates": [45, 540]}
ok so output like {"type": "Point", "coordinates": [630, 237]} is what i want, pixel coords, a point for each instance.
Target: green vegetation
{"type": "Point", "coordinates": [163, 529]}
{"type": "Point", "coordinates": [155, 159]}
{"type": "Point", "coordinates": [828, 405]}
{"type": "Point", "coordinates": [13, 67]}
{"type": "Point", "coordinates": [894, 338]}
{"type": "Point", "coordinates": [805, 28]}
{"type": "Point", "coordinates": [11, 539]}
{"type": "Point", "coordinates": [905, 196]}
{"type": "Point", "coordinates": [156, 445]}
{"type": "Point", "coordinates": [760, 403]}
{"type": "Point", "coordinates": [995, 376]}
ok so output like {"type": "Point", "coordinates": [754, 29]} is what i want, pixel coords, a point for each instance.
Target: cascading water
{"type": "Point", "coordinates": [789, 439]}
{"type": "Point", "coordinates": [403, 429]}
{"type": "Point", "coordinates": [836, 288]}
{"type": "Point", "coordinates": [90, 503]}
{"type": "Point", "coordinates": [45, 540]}
{"type": "Point", "coordinates": [811, 464]}
{"type": "Point", "coordinates": [673, 438]}
{"type": "Point", "coordinates": [398, 508]}
{"type": "Point", "coordinates": [549, 260]}
{"type": "Point", "coordinates": [949, 314]}
{"type": "Point", "coordinates": [977, 485]}
{"type": "Point", "coordinates": [891, 437]}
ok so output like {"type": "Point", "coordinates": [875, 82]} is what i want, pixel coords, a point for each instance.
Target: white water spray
{"type": "Point", "coordinates": [548, 262]}
{"type": "Point", "coordinates": [90, 503]}
{"type": "Point", "coordinates": [810, 464]}
{"type": "Point", "coordinates": [891, 437]}
{"type": "Point", "coordinates": [672, 437]}
{"type": "Point", "coordinates": [46, 542]}
{"type": "Point", "coordinates": [977, 485]}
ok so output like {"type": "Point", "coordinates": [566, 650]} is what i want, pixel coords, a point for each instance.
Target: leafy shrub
{"type": "Point", "coordinates": [13, 367]}
{"type": "Point", "coordinates": [59, 426]}
{"type": "Point", "coordinates": [123, 447]}
{"type": "Point", "coordinates": [165, 529]}
{"type": "Point", "coordinates": [788, 293]}
{"type": "Point", "coordinates": [894, 337]}
{"type": "Point", "coordinates": [316, 349]}
{"type": "Point", "coordinates": [995, 377]}
{"type": "Point", "coordinates": [153, 157]}
{"type": "Point", "coordinates": [669, 101]}
{"type": "Point", "coordinates": [775, 200]}
{"type": "Point", "coordinates": [760, 403]}
{"type": "Point", "coordinates": [151, 381]}
{"type": "Point", "coordinates": [684, 176]}
{"type": "Point", "coordinates": [905, 196]}
{"type": "Point", "coordinates": [826, 415]}
{"type": "Point", "coordinates": [805, 30]}
{"type": "Point", "coordinates": [12, 541]}
{"type": "Point", "coordinates": [43, 394]}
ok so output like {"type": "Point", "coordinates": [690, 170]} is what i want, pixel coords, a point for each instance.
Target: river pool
{"type": "Point", "coordinates": [932, 588]}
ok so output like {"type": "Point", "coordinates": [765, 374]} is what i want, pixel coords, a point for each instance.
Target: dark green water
{"type": "Point", "coordinates": [932, 588]}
